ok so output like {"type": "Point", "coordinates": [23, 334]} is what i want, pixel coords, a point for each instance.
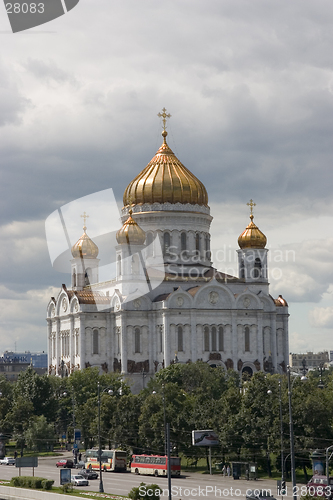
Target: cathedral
{"type": "Point", "coordinates": [167, 303]}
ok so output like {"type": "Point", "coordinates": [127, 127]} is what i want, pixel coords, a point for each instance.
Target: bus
{"type": "Point", "coordinates": [112, 460]}
{"type": "Point", "coordinates": [155, 465]}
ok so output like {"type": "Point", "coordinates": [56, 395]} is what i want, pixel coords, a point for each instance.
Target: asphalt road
{"type": "Point", "coordinates": [190, 486]}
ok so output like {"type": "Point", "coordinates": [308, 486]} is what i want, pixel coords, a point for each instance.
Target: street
{"type": "Point", "coordinates": [191, 485]}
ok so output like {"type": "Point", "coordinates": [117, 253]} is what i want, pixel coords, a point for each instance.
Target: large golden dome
{"type": "Point", "coordinates": [131, 233]}
{"type": "Point", "coordinates": [165, 180]}
{"type": "Point", "coordinates": [85, 248]}
{"type": "Point", "coordinates": [252, 237]}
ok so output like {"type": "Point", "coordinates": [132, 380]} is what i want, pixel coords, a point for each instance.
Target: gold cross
{"type": "Point", "coordinates": [84, 216]}
{"type": "Point", "coordinates": [164, 115]}
{"type": "Point", "coordinates": [251, 204]}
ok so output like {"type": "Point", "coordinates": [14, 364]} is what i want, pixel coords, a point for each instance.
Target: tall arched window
{"type": "Point", "coordinates": [119, 265]}
{"type": "Point", "coordinates": [221, 338]}
{"type": "Point", "coordinates": [183, 243]}
{"type": "Point", "coordinates": [257, 268]}
{"type": "Point", "coordinates": [95, 342]}
{"type": "Point", "coordinates": [180, 339]}
{"type": "Point", "coordinates": [213, 338]}
{"type": "Point", "coordinates": [74, 278]}
{"type": "Point", "coordinates": [137, 342]}
{"type": "Point", "coordinates": [206, 338]}
{"type": "Point", "coordinates": [247, 339]}
{"type": "Point", "coordinates": [166, 242]}
{"type": "Point", "coordinates": [207, 246]}
{"type": "Point", "coordinates": [197, 242]}
{"type": "Point", "coordinates": [242, 269]}
{"type": "Point", "coordinates": [87, 276]}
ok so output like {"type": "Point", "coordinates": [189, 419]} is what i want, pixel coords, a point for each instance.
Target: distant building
{"type": "Point", "coordinates": [331, 356]}
{"type": "Point", "coordinates": [309, 360]}
{"type": "Point", "coordinates": [12, 363]}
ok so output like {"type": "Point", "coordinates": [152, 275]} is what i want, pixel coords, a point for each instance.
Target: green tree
{"type": "Point", "coordinates": [39, 434]}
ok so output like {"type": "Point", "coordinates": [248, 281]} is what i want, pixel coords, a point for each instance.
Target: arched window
{"type": "Point", "coordinates": [213, 338]}
{"type": "Point", "coordinates": [180, 339]}
{"type": "Point", "coordinates": [206, 338]}
{"type": "Point", "coordinates": [149, 243]}
{"type": "Point", "coordinates": [95, 342]}
{"type": "Point", "coordinates": [119, 265]}
{"type": "Point", "coordinates": [221, 338]}
{"type": "Point", "coordinates": [197, 242]}
{"type": "Point", "coordinates": [74, 278]}
{"type": "Point", "coordinates": [183, 243]}
{"type": "Point", "coordinates": [257, 268]}
{"type": "Point", "coordinates": [137, 346]}
{"type": "Point", "coordinates": [87, 276]}
{"type": "Point", "coordinates": [166, 242]}
{"type": "Point", "coordinates": [247, 339]}
{"type": "Point", "coordinates": [207, 247]}
{"type": "Point", "coordinates": [242, 269]}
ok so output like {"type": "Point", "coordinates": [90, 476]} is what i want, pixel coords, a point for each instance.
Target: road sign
{"type": "Point", "coordinates": [26, 462]}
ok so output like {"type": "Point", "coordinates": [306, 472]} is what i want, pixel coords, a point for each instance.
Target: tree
{"type": "Point", "coordinates": [40, 434]}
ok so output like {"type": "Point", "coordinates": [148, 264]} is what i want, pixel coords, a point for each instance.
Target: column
{"type": "Point", "coordinates": [49, 331]}
{"type": "Point", "coordinates": [57, 344]}
{"type": "Point", "coordinates": [260, 342]}
{"type": "Point", "coordinates": [82, 341]}
{"type": "Point", "coordinates": [193, 335]}
{"type": "Point", "coordinates": [108, 342]}
{"type": "Point", "coordinates": [123, 342]}
{"type": "Point", "coordinates": [71, 344]}
{"type": "Point", "coordinates": [151, 340]}
{"type": "Point", "coordinates": [166, 340]}
{"type": "Point", "coordinates": [234, 337]}
{"type": "Point", "coordinates": [273, 341]}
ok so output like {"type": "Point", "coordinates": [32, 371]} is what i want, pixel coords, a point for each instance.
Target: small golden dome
{"type": "Point", "coordinates": [85, 248]}
{"type": "Point", "coordinates": [131, 233]}
{"type": "Point", "coordinates": [252, 237]}
{"type": "Point", "coordinates": [165, 180]}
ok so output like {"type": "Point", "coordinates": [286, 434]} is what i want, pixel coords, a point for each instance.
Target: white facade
{"type": "Point", "coordinates": [176, 308]}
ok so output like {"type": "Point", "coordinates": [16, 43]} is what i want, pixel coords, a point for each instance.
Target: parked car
{"type": "Point", "coordinates": [7, 461]}
{"type": "Point", "coordinates": [259, 495]}
{"type": "Point", "coordinates": [66, 464]}
{"type": "Point", "coordinates": [79, 481]}
{"type": "Point", "coordinates": [317, 486]}
{"type": "Point", "coordinates": [89, 474]}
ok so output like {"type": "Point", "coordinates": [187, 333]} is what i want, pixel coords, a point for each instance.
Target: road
{"type": "Point", "coordinates": [190, 486]}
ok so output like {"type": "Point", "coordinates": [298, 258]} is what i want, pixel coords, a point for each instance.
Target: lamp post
{"type": "Point", "coordinates": [281, 435]}
{"type": "Point", "coordinates": [328, 468]}
{"type": "Point", "coordinates": [164, 421]}
{"type": "Point", "coordinates": [291, 429]}
{"type": "Point", "coordinates": [110, 392]}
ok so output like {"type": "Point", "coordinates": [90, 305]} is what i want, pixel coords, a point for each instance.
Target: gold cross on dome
{"type": "Point", "coordinates": [85, 217]}
{"type": "Point", "coordinates": [164, 115]}
{"type": "Point", "coordinates": [251, 204]}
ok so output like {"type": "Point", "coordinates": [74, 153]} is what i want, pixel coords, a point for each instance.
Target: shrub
{"type": "Point", "coordinates": [145, 492]}
{"type": "Point", "coordinates": [67, 487]}
{"type": "Point", "coordinates": [36, 483]}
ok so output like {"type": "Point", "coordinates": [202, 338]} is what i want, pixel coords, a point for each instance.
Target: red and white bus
{"type": "Point", "coordinates": [155, 465]}
{"type": "Point", "coordinates": [112, 460]}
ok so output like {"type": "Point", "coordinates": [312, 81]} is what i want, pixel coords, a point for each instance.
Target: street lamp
{"type": "Point", "coordinates": [164, 421]}
{"type": "Point", "coordinates": [291, 428]}
{"type": "Point", "coordinates": [281, 435]}
{"type": "Point", "coordinates": [110, 392]}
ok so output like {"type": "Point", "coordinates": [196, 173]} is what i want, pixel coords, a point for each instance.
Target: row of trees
{"type": "Point", "coordinates": [38, 409]}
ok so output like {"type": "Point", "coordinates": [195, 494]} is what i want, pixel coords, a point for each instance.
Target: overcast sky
{"type": "Point", "coordinates": [249, 84]}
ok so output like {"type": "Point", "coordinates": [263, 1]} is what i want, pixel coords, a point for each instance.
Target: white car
{"type": "Point", "coordinates": [79, 481]}
{"type": "Point", "coordinates": [7, 461]}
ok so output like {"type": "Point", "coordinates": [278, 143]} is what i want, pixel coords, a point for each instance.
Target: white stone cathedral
{"type": "Point", "coordinates": [167, 302]}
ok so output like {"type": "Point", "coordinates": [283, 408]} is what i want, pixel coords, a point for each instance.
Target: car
{"type": "Point", "coordinates": [89, 474]}
{"type": "Point", "coordinates": [7, 461]}
{"type": "Point", "coordinates": [317, 486]}
{"type": "Point", "coordinates": [79, 480]}
{"type": "Point", "coordinates": [80, 465]}
{"type": "Point", "coordinates": [65, 464]}
{"type": "Point", "coordinates": [259, 495]}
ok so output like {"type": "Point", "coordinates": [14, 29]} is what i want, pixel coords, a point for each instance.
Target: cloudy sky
{"type": "Point", "coordinates": [249, 84]}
